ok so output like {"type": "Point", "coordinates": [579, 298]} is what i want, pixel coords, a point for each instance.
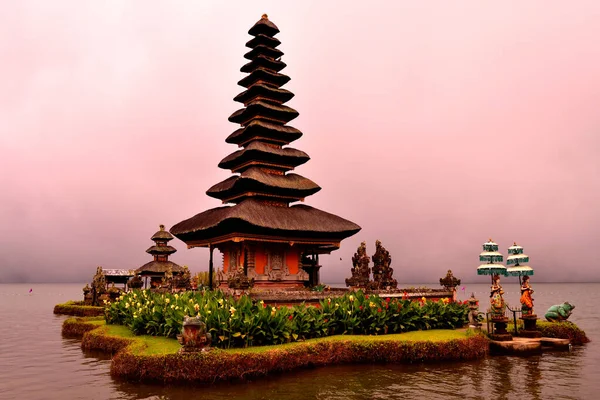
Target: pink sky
{"type": "Point", "coordinates": [433, 125]}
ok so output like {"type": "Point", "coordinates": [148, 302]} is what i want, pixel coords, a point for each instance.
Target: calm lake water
{"type": "Point", "coordinates": [37, 363]}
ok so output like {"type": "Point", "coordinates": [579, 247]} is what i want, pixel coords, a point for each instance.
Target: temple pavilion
{"type": "Point", "coordinates": [262, 230]}
{"type": "Point", "coordinates": [155, 269]}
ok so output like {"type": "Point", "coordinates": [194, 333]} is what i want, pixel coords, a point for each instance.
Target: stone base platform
{"type": "Point", "coordinates": [526, 346]}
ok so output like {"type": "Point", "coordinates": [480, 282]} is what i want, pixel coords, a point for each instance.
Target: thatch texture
{"type": "Point", "coordinates": [264, 26]}
{"type": "Point", "coordinates": [265, 63]}
{"type": "Point", "coordinates": [263, 39]}
{"type": "Point", "coordinates": [254, 216]}
{"type": "Point", "coordinates": [263, 74]}
{"type": "Point", "coordinates": [264, 130]}
{"type": "Point", "coordinates": [259, 108]}
{"type": "Point", "coordinates": [267, 92]}
{"type": "Point", "coordinates": [258, 151]}
{"type": "Point", "coordinates": [256, 180]}
{"type": "Point", "coordinates": [263, 50]}
{"type": "Point", "coordinates": [161, 250]}
{"type": "Point", "coordinates": [159, 267]}
{"type": "Point", "coordinates": [162, 235]}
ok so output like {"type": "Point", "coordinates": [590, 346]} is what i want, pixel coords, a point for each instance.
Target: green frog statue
{"type": "Point", "coordinates": [559, 312]}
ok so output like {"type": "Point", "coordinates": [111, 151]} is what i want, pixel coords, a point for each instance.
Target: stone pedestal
{"type": "Point", "coordinates": [500, 333]}
{"type": "Point", "coordinates": [530, 327]}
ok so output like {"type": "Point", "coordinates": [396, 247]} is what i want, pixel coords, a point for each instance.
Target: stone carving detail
{"type": "Point", "coordinates": [382, 272]}
{"type": "Point", "coordinates": [360, 268]}
{"type": "Point", "coordinates": [449, 282]}
{"type": "Point", "coordinates": [194, 336]}
{"type": "Point", "coordinates": [183, 280]}
{"type": "Point", "coordinates": [278, 269]}
{"type": "Point", "coordinates": [238, 280]}
{"type": "Point", "coordinates": [135, 282]}
{"type": "Point", "coordinates": [99, 287]}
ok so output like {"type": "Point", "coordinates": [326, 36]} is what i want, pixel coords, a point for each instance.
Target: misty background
{"type": "Point", "coordinates": [434, 126]}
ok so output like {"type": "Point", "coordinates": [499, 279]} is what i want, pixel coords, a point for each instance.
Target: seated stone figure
{"type": "Point", "coordinates": [559, 312]}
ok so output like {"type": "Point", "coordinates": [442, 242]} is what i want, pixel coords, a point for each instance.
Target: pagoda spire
{"type": "Point", "coordinates": [263, 162]}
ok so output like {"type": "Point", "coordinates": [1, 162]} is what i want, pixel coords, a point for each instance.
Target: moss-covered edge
{"type": "Point", "coordinates": [76, 327]}
{"type": "Point", "coordinates": [221, 365]}
{"type": "Point", "coordinates": [563, 330]}
{"type": "Point", "coordinates": [130, 363]}
{"type": "Point", "coordinates": [76, 308]}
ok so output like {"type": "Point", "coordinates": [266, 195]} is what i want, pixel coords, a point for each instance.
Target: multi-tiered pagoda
{"type": "Point", "coordinates": [156, 269]}
{"type": "Point", "coordinates": [265, 232]}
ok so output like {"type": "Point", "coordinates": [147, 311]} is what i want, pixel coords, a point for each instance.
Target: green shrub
{"type": "Point", "coordinates": [243, 322]}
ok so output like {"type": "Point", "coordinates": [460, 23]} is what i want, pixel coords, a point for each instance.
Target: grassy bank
{"type": "Point", "coordinates": [148, 358]}
{"type": "Point", "coordinates": [77, 308]}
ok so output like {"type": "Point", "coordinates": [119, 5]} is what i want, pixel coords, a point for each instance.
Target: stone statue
{"type": "Point", "coordinates": [183, 280]}
{"type": "Point", "coordinates": [382, 272]}
{"type": "Point", "coordinates": [87, 295]}
{"type": "Point", "coordinates": [98, 287]}
{"type": "Point", "coordinates": [559, 312]}
{"type": "Point", "coordinates": [526, 299]}
{"type": "Point", "coordinates": [238, 279]}
{"type": "Point", "coordinates": [113, 292]}
{"type": "Point", "coordinates": [473, 311]}
{"type": "Point", "coordinates": [194, 336]}
{"type": "Point", "coordinates": [167, 281]}
{"type": "Point", "coordinates": [360, 268]}
{"type": "Point", "coordinates": [497, 304]}
{"type": "Point", "coordinates": [135, 282]}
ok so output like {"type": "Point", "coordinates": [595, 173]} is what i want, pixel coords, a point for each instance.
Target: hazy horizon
{"type": "Point", "coordinates": [433, 126]}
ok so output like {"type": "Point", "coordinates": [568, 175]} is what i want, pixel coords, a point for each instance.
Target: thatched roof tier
{"type": "Point", "coordinates": [266, 111]}
{"type": "Point", "coordinates": [258, 153]}
{"type": "Point", "coordinates": [264, 75]}
{"type": "Point", "coordinates": [162, 235]}
{"type": "Point", "coordinates": [263, 50]}
{"type": "Point", "coordinates": [264, 92]}
{"type": "Point", "coordinates": [264, 131]}
{"type": "Point", "coordinates": [255, 180]}
{"type": "Point", "coordinates": [253, 216]}
{"type": "Point", "coordinates": [264, 63]}
{"type": "Point", "coordinates": [263, 39]}
{"type": "Point", "coordinates": [161, 250]}
{"type": "Point", "coordinates": [264, 26]}
{"type": "Point", "coordinates": [159, 267]}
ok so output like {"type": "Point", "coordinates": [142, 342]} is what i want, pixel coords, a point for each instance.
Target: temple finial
{"type": "Point", "coordinates": [265, 16]}
{"type": "Point", "coordinates": [162, 227]}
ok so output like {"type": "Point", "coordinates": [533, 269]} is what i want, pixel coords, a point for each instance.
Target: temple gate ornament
{"type": "Point", "coordinates": [360, 268]}
{"type": "Point", "coordinates": [382, 272]}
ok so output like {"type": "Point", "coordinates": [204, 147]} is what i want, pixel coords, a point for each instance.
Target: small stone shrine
{"type": "Point", "coordinates": [160, 266]}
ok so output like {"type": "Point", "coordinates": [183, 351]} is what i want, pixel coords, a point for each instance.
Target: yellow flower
{"type": "Point", "coordinates": [126, 305]}
{"type": "Point", "coordinates": [351, 298]}
{"type": "Point", "coordinates": [172, 307]}
{"type": "Point", "coordinates": [139, 304]}
{"type": "Point", "coordinates": [209, 312]}
{"type": "Point", "coordinates": [167, 300]}
{"type": "Point", "coordinates": [371, 304]}
{"type": "Point", "coordinates": [220, 301]}
{"type": "Point", "coordinates": [196, 306]}
{"type": "Point", "coordinates": [232, 310]}
{"type": "Point", "coordinates": [349, 312]}
{"type": "Point", "coordinates": [191, 300]}
{"type": "Point", "coordinates": [337, 305]}
{"type": "Point", "coordinates": [423, 299]}
{"type": "Point", "coordinates": [176, 296]}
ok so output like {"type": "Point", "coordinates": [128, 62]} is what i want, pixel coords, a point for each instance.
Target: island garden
{"type": "Point", "coordinates": [264, 309]}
